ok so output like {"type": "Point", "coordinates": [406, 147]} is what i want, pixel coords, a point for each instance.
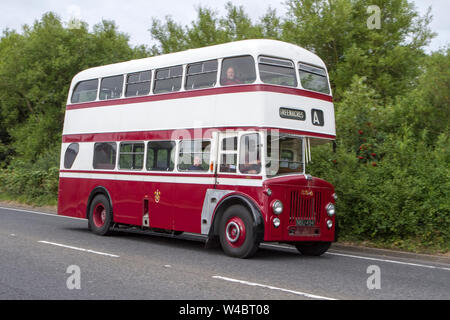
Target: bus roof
{"type": "Point", "coordinates": [253, 47]}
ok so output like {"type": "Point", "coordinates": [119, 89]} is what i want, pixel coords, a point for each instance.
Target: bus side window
{"type": "Point", "coordinates": [168, 79]}
{"type": "Point", "coordinates": [250, 154]}
{"type": "Point", "coordinates": [111, 88]}
{"type": "Point", "coordinates": [194, 155]}
{"type": "Point", "coordinates": [85, 91]}
{"type": "Point", "coordinates": [237, 70]}
{"type": "Point", "coordinates": [201, 75]}
{"type": "Point", "coordinates": [277, 71]}
{"type": "Point", "coordinates": [131, 156]}
{"type": "Point", "coordinates": [161, 155]}
{"type": "Point", "coordinates": [105, 155]}
{"type": "Point", "coordinates": [71, 155]}
{"type": "Point", "coordinates": [228, 160]}
{"type": "Point", "coordinates": [313, 78]}
{"type": "Point", "coordinates": [138, 84]}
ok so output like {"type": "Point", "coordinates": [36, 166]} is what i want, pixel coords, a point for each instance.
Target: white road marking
{"type": "Point", "coordinates": [389, 261]}
{"type": "Point", "coordinates": [41, 213]}
{"type": "Point", "coordinates": [308, 295]}
{"type": "Point", "coordinates": [80, 249]}
{"type": "Point", "coordinates": [271, 245]}
{"type": "Point", "coordinates": [366, 258]}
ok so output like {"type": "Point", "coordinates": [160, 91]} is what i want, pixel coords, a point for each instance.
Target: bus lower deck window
{"type": "Point", "coordinates": [131, 156]}
{"type": "Point", "coordinates": [105, 155]}
{"type": "Point", "coordinates": [161, 155]}
{"type": "Point", "coordinates": [194, 155]}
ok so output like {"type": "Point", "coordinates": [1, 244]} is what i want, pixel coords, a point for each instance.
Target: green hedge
{"type": "Point", "coordinates": [29, 185]}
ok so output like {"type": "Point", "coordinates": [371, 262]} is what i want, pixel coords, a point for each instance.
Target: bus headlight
{"type": "Point", "coordinates": [277, 207]}
{"type": "Point", "coordinates": [276, 222]}
{"type": "Point", "coordinates": [331, 210]}
{"type": "Point", "coordinates": [329, 224]}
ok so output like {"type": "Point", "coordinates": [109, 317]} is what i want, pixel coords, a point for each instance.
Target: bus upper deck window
{"type": "Point", "coordinates": [85, 91]}
{"type": "Point", "coordinates": [168, 79]}
{"type": "Point", "coordinates": [201, 75]}
{"type": "Point", "coordinates": [237, 70]}
{"type": "Point", "coordinates": [313, 78]}
{"type": "Point", "coordinates": [111, 88]}
{"type": "Point", "coordinates": [277, 71]}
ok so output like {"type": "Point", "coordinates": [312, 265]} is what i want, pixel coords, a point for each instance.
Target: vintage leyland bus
{"type": "Point", "coordinates": [213, 141]}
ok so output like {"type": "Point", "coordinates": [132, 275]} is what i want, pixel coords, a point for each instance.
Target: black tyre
{"type": "Point", "coordinates": [100, 216]}
{"type": "Point", "coordinates": [236, 233]}
{"type": "Point", "coordinates": [312, 248]}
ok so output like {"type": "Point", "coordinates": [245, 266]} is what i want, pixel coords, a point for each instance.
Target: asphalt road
{"type": "Point", "coordinates": [43, 256]}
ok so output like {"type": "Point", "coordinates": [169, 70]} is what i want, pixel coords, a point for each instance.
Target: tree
{"type": "Point", "coordinates": [337, 31]}
{"type": "Point", "coordinates": [36, 68]}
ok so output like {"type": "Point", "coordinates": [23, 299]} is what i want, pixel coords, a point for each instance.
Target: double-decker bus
{"type": "Point", "coordinates": [213, 141]}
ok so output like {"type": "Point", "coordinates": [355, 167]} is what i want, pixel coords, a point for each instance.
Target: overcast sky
{"type": "Point", "coordinates": [134, 16]}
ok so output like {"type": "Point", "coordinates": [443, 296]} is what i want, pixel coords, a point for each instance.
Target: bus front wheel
{"type": "Point", "coordinates": [100, 215]}
{"type": "Point", "coordinates": [312, 248]}
{"type": "Point", "coordinates": [236, 233]}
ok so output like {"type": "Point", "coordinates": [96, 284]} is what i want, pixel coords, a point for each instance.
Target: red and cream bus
{"type": "Point", "coordinates": [213, 141]}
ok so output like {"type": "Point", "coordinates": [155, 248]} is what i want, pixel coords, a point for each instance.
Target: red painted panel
{"type": "Point", "coordinates": [169, 134]}
{"type": "Point", "coordinates": [203, 92]}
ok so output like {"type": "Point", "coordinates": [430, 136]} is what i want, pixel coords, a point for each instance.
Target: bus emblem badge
{"type": "Point", "coordinates": [157, 196]}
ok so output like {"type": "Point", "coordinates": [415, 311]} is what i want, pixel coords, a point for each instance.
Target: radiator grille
{"type": "Point", "coordinates": [305, 207]}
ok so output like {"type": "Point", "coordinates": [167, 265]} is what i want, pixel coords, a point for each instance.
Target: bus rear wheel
{"type": "Point", "coordinates": [312, 248]}
{"type": "Point", "coordinates": [236, 233]}
{"type": "Point", "coordinates": [100, 216]}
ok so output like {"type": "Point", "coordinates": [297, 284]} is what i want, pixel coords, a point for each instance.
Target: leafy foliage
{"type": "Point", "coordinates": [390, 168]}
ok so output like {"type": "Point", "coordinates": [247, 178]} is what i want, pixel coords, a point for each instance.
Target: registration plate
{"type": "Point", "coordinates": [305, 222]}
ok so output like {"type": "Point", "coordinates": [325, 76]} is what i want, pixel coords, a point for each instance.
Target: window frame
{"type": "Point", "coordinates": [327, 80]}
{"type": "Point", "coordinates": [121, 87]}
{"type": "Point", "coordinates": [294, 69]}
{"type": "Point", "coordinates": [76, 86]}
{"type": "Point", "coordinates": [223, 152]}
{"type": "Point", "coordinates": [178, 156]}
{"type": "Point", "coordinates": [74, 157]}
{"type": "Point", "coordinates": [187, 75]}
{"type": "Point", "coordinates": [222, 74]}
{"type": "Point", "coordinates": [175, 147]}
{"type": "Point", "coordinates": [127, 83]}
{"type": "Point", "coordinates": [155, 78]}
{"type": "Point", "coordinates": [259, 152]}
{"type": "Point", "coordinates": [131, 153]}
{"type": "Point", "coordinates": [115, 155]}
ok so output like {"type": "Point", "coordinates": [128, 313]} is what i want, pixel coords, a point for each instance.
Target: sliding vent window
{"type": "Point", "coordinates": [105, 155]}
{"type": "Point", "coordinates": [111, 88]}
{"type": "Point", "coordinates": [201, 75]}
{"type": "Point", "coordinates": [138, 84]}
{"type": "Point", "coordinates": [168, 79]}
{"type": "Point", "coordinates": [131, 156]}
{"type": "Point", "coordinates": [85, 91]}
{"type": "Point", "coordinates": [277, 71]}
{"type": "Point", "coordinates": [313, 78]}
{"type": "Point", "coordinates": [161, 155]}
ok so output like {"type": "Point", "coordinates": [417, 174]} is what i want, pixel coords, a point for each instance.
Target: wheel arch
{"type": "Point", "coordinates": [249, 204]}
{"type": "Point", "coordinates": [96, 191]}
